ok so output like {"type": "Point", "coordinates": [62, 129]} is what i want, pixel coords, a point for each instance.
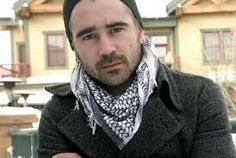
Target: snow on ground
{"type": "Point", "coordinates": [234, 138]}
{"type": "Point", "coordinates": [3, 98]}
{"type": "Point", "coordinates": [11, 111]}
{"type": "Point", "coordinates": [18, 111]}
{"type": "Point", "coordinates": [48, 79]}
{"type": "Point", "coordinates": [36, 97]}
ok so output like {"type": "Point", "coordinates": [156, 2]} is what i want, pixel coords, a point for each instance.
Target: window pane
{"type": "Point", "coordinates": [161, 44]}
{"type": "Point", "coordinates": [211, 46]}
{"type": "Point", "coordinates": [228, 46]}
{"type": "Point", "coordinates": [162, 52]}
{"type": "Point", "coordinates": [51, 59]}
{"type": "Point", "coordinates": [22, 53]}
{"type": "Point", "coordinates": [56, 50]}
{"type": "Point", "coordinates": [159, 39]}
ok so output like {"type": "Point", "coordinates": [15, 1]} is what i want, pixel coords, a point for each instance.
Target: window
{"type": "Point", "coordinates": [218, 46]}
{"type": "Point", "coordinates": [162, 47]}
{"type": "Point", "coordinates": [23, 67]}
{"type": "Point", "coordinates": [161, 44]}
{"type": "Point", "coordinates": [21, 53]}
{"type": "Point", "coordinates": [55, 49]}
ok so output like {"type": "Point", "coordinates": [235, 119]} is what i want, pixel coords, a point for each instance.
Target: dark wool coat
{"type": "Point", "coordinates": [184, 118]}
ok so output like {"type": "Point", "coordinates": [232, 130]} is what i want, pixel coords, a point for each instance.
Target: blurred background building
{"type": "Point", "coordinates": [196, 36]}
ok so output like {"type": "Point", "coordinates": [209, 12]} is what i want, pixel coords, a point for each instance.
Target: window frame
{"type": "Point", "coordinates": [46, 45]}
{"type": "Point", "coordinates": [20, 45]}
{"type": "Point", "coordinates": [220, 33]}
{"type": "Point", "coordinates": [166, 45]}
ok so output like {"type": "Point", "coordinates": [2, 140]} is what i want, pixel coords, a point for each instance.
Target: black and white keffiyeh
{"type": "Point", "coordinates": [117, 112]}
{"type": "Point", "coordinates": [119, 116]}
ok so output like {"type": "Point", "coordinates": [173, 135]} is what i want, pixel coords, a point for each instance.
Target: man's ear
{"type": "Point", "coordinates": [142, 36]}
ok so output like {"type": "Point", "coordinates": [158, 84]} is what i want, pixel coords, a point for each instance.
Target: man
{"type": "Point", "coordinates": [121, 102]}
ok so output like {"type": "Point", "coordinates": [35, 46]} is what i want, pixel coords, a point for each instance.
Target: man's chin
{"type": "Point", "coordinates": [112, 83]}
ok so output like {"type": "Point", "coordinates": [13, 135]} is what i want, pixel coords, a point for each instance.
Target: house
{"type": "Point", "coordinates": [206, 37]}
{"type": "Point", "coordinates": [39, 47]}
{"type": "Point", "coordinates": [6, 49]}
{"type": "Point", "coordinates": [45, 45]}
{"type": "Point", "coordinates": [197, 37]}
{"type": "Point", "coordinates": [41, 54]}
{"type": "Point", "coordinates": [206, 42]}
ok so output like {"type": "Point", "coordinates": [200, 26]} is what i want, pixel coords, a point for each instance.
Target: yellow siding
{"type": "Point", "coordinates": [204, 2]}
{"type": "Point", "coordinates": [190, 39]}
{"type": "Point", "coordinates": [38, 25]}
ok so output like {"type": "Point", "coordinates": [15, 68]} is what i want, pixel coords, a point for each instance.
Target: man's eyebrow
{"type": "Point", "coordinates": [90, 29]}
{"type": "Point", "coordinates": [85, 31]}
{"type": "Point", "coordinates": [116, 24]}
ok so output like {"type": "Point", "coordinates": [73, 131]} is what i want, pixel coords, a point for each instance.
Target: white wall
{"type": "Point", "coordinates": [5, 51]}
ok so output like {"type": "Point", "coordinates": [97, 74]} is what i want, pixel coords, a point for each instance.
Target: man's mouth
{"type": "Point", "coordinates": [112, 65]}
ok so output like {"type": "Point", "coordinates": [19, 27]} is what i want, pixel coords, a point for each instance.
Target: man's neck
{"type": "Point", "coordinates": [119, 89]}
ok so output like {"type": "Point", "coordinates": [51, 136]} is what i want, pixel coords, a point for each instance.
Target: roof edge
{"type": "Point", "coordinates": [8, 22]}
{"type": "Point", "coordinates": [18, 5]}
{"type": "Point", "coordinates": [169, 21]}
{"type": "Point", "coordinates": [171, 7]}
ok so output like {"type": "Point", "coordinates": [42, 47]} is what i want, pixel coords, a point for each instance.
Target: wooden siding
{"type": "Point", "coordinates": [190, 38]}
{"type": "Point", "coordinates": [39, 24]}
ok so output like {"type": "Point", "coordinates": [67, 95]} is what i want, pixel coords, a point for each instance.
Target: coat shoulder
{"type": "Point", "coordinates": [191, 89]}
{"type": "Point", "coordinates": [61, 103]}
{"type": "Point", "coordinates": [191, 82]}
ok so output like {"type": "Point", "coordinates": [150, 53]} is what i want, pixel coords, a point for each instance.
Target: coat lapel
{"type": "Point", "coordinates": [157, 127]}
{"type": "Point", "coordinates": [75, 127]}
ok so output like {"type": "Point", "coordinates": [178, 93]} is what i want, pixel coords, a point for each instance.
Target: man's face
{"type": "Point", "coordinates": [106, 40]}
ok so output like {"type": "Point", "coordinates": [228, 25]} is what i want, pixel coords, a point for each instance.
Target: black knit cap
{"type": "Point", "coordinates": [70, 4]}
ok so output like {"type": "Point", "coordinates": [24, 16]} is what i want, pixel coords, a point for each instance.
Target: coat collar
{"type": "Point", "coordinates": [60, 89]}
{"type": "Point", "coordinates": [164, 78]}
{"type": "Point", "coordinates": [158, 126]}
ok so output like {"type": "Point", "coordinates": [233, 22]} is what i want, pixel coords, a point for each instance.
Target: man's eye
{"type": "Point", "coordinates": [88, 37]}
{"type": "Point", "coordinates": [116, 30]}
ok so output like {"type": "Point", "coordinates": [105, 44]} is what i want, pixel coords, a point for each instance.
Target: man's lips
{"type": "Point", "coordinates": [111, 65]}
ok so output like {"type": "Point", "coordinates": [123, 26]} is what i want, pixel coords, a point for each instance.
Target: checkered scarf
{"type": "Point", "coordinates": [119, 116]}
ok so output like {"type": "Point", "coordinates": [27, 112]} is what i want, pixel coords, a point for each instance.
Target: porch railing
{"type": "Point", "coordinates": [20, 70]}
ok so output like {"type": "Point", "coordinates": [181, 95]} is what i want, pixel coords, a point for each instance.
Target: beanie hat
{"type": "Point", "coordinates": [70, 4]}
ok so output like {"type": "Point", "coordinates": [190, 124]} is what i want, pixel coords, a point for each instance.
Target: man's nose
{"type": "Point", "coordinates": [106, 45]}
